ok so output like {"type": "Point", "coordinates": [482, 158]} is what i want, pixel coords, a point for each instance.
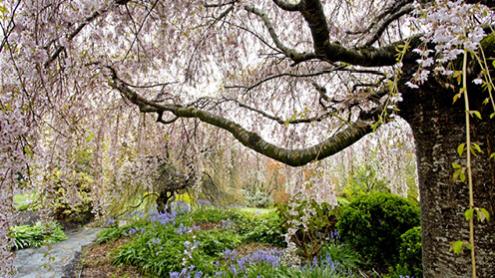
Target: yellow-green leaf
{"type": "Point", "coordinates": [469, 214]}
{"type": "Point", "coordinates": [460, 149]}
{"type": "Point", "coordinates": [457, 246]}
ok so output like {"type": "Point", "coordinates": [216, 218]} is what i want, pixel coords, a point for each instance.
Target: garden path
{"type": "Point", "coordinates": [54, 261]}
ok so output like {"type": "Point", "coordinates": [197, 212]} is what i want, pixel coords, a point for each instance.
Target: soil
{"type": "Point", "coordinates": [96, 262]}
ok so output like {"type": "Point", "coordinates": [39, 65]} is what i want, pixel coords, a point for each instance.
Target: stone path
{"type": "Point", "coordinates": [53, 261]}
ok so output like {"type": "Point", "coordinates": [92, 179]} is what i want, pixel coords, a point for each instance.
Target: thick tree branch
{"type": "Point", "coordinates": [293, 157]}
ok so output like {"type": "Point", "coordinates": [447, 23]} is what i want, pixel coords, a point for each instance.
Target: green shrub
{"type": "Point", "coordinates": [409, 254]}
{"type": "Point", "coordinates": [314, 233]}
{"type": "Point", "coordinates": [364, 181]}
{"type": "Point", "coordinates": [372, 224]}
{"type": "Point", "coordinates": [265, 228]}
{"type": "Point", "coordinates": [258, 195]}
{"type": "Point", "coordinates": [26, 236]}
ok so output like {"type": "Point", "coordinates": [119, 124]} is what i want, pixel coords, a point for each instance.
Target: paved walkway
{"type": "Point", "coordinates": [56, 260]}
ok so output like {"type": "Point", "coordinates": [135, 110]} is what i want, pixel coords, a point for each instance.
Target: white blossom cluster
{"type": "Point", "coordinates": [453, 27]}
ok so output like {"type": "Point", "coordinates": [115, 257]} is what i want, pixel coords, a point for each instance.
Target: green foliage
{"type": "Point", "coordinates": [26, 201]}
{"type": "Point", "coordinates": [214, 242]}
{"type": "Point", "coordinates": [161, 249]}
{"type": "Point", "coordinates": [158, 250]}
{"type": "Point", "coordinates": [212, 215]}
{"type": "Point", "coordinates": [109, 234]}
{"type": "Point", "coordinates": [372, 224]}
{"type": "Point", "coordinates": [314, 233]}
{"type": "Point", "coordinates": [410, 254]}
{"type": "Point", "coordinates": [364, 180]}
{"type": "Point", "coordinates": [310, 271]}
{"type": "Point", "coordinates": [265, 228]}
{"type": "Point", "coordinates": [26, 236]}
{"type": "Point", "coordinates": [258, 195]}
{"type": "Point", "coordinates": [342, 255]}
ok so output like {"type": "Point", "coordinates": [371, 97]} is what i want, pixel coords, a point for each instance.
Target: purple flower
{"type": "Point", "coordinates": [181, 207]}
{"type": "Point", "coordinates": [315, 261]}
{"type": "Point", "coordinates": [132, 231]}
{"type": "Point", "coordinates": [155, 241]}
{"type": "Point", "coordinates": [233, 270]}
{"type": "Point", "coordinates": [110, 221]}
{"type": "Point", "coordinates": [181, 229]}
{"type": "Point", "coordinates": [198, 274]}
{"type": "Point", "coordinates": [163, 218]}
{"type": "Point", "coordinates": [229, 254]}
{"type": "Point", "coordinates": [174, 274]}
{"type": "Point", "coordinates": [329, 261]}
{"type": "Point", "coordinates": [335, 235]}
{"type": "Point", "coordinates": [260, 256]}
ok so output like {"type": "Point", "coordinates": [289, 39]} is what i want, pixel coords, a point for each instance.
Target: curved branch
{"type": "Point", "coordinates": [293, 157]}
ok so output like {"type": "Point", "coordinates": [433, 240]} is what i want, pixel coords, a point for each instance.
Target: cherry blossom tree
{"type": "Point", "coordinates": [297, 81]}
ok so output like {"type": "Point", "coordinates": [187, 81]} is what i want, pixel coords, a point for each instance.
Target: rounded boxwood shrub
{"type": "Point", "coordinates": [373, 224]}
{"type": "Point", "coordinates": [410, 252]}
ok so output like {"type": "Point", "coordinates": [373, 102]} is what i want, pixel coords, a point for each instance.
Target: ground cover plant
{"type": "Point", "coordinates": [37, 235]}
{"type": "Point", "coordinates": [219, 242]}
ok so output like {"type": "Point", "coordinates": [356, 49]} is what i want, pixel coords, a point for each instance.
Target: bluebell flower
{"type": "Point", "coordinates": [163, 218]}
{"type": "Point", "coordinates": [174, 274]}
{"type": "Point", "coordinates": [180, 207]}
{"type": "Point", "coordinates": [233, 270]}
{"type": "Point", "coordinates": [110, 221]}
{"type": "Point", "coordinates": [315, 261]}
{"type": "Point", "coordinates": [132, 231]}
{"type": "Point", "coordinates": [155, 241]}
{"type": "Point", "coordinates": [198, 274]}
{"type": "Point", "coordinates": [181, 229]}
{"type": "Point", "coordinates": [229, 254]}
{"type": "Point", "coordinates": [335, 235]}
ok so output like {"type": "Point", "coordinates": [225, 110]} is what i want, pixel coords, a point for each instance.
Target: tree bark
{"type": "Point", "coordinates": [439, 127]}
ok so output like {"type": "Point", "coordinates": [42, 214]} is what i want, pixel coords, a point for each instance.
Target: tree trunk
{"type": "Point", "coordinates": [439, 127]}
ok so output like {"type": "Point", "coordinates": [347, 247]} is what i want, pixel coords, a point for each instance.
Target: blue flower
{"type": "Point", "coordinates": [163, 218]}
{"type": "Point", "coordinates": [174, 274]}
{"type": "Point", "coordinates": [132, 231]}
{"type": "Point", "coordinates": [110, 221]}
{"type": "Point", "coordinates": [155, 241]}
{"type": "Point", "coordinates": [229, 254]}
{"type": "Point", "coordinates": [181, 229]}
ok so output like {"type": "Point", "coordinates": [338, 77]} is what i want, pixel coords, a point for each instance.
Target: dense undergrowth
{"type": "Point", "coordinates": [349, 241]}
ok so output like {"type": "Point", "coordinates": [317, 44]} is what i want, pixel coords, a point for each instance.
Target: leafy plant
{"type": "Point", "coordinates": [262, 228]}
{"type": "Point", "coordinates": [342, 255]}
{"type": "Point", "coordinates": [373, 224]}
{"type": "Point", "coordinates": [258, 195]}
{"type": "Point", "coordinates": [312, 224]}
{"type": "Point", "coordinates": [409, 254]}
{"type": "Point", "coordinates": [26, 236]}
{"type": "Point", "coordinates": [214, 242]}
{"type": "Point", "coordinates": [109, 234]}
